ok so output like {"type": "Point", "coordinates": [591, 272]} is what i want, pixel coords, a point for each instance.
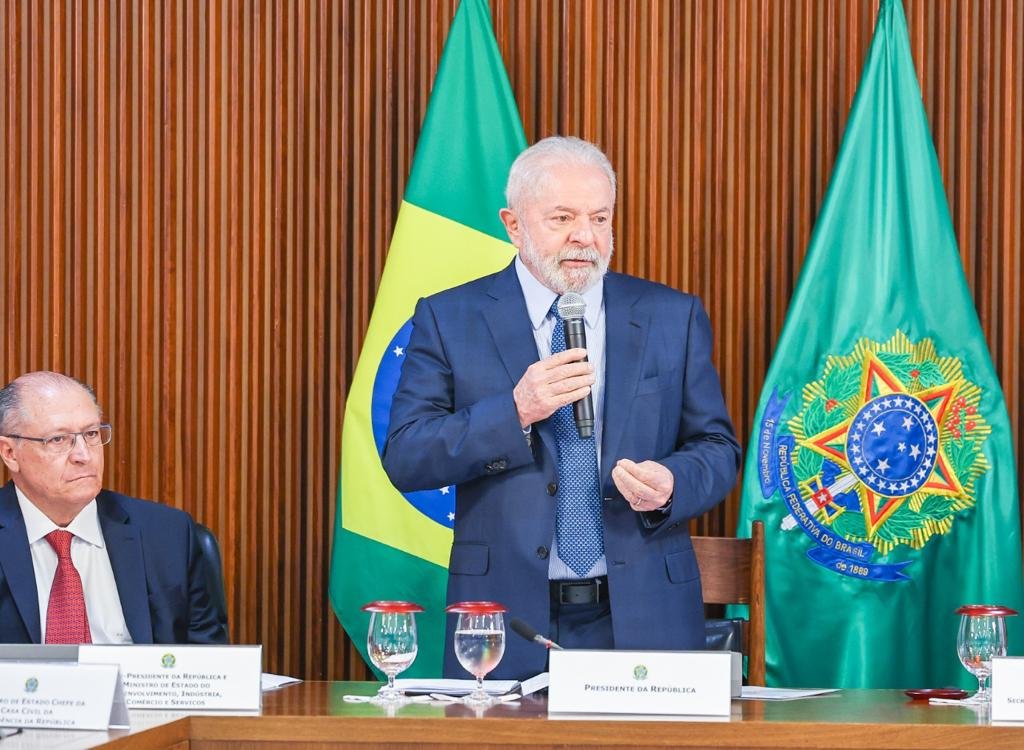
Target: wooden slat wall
{"type": "Point", "coordinates": [196, 200]}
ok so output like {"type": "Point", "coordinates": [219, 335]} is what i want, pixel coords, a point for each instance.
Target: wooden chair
{"type": "Point", "coordinates": [732, 572]}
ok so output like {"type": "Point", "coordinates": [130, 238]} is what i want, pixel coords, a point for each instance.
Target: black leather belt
{"type": "Point", "coordinates": [580, 591]}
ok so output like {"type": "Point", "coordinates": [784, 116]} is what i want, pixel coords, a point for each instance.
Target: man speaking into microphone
{"type": "Point", "coordinates": [574, 518]}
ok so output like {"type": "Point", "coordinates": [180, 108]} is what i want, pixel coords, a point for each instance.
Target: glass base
{"type": "Point", "coordinates": [479, 699]}
{"type": "Point", "coordinates": [389, 696]}
{"type": "Point", "coordinates": [980, 698]}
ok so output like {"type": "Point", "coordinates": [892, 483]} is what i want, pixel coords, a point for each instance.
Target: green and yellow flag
{"type": "Point", "coordinates": [882, 460]}
{"type": "Point", "coordinates": [388, 544]}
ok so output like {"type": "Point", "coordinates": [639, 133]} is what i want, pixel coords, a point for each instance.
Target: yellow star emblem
{"type": "Point", "coordinates": [868, 445]}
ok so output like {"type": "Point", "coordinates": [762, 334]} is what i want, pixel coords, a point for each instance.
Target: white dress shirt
{"type": "Point", "coordinates": [89, 554]}
{"type": "Point", "coordinates": [538, 305]}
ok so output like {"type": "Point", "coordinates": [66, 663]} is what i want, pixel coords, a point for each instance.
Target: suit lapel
{"type": "Point", "coordinates": [509, 323]}
{"type": "Point", "coordinates": [124, 548]}
{"type": "Point", "coordinates": [625, 334]}
{"type": "Point", "coordinates": [16, 561]}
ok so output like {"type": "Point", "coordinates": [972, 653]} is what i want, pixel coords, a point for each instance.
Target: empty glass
{"type": "Point", "coordinates": [479, 643]}
{"type": "Point", "coordinates": [391, 643]}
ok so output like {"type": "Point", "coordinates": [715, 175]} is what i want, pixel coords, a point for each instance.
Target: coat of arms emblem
{"type": "Point", "coordinates": [882, 451]}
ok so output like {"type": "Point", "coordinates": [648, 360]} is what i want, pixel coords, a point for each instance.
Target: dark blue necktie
{"type": "Point", "coordinates": [579, 529]}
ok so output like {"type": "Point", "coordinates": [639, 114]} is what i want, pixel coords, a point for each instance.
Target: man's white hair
{"type": "Point", "coordinates": [531, 168]}
{"type": "Point", "coordinates": [12, 395]}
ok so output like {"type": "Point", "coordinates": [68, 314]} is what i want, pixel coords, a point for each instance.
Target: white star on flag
{"type": "Point", "coordinates": [399, 351]}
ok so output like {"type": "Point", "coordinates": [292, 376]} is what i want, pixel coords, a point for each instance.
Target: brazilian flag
{"type": "Point", "coordinates": [388, 544]}
{"type": "Point", "coordinates": [881, 459]}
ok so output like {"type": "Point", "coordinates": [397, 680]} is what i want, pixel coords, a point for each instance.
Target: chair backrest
{"type": "Point", "coordinates": [732, 572]}
{"type": "Point", "coordinates": [214, 571]}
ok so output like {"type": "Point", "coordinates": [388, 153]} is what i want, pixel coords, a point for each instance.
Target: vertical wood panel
{"type": "Point", "coordinates": [196, 200]}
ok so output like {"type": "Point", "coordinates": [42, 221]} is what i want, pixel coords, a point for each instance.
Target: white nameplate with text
{"type": "Point", "coordinates": [1008, 688]}
{"type": "Point", "coordinates": [680, 683]}
{"type": "Point", "coordinates": [185, 678]}
{"type": "Point", "coordinates": [54, 695]}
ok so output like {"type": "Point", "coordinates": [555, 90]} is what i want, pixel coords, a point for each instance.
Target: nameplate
{"type": "Point", "coordinates": [1008, 688]}
{"type": "Point", "coordinates": [680, 683]}
{"type": "Point", "coordinates": [42, 695]}
{"type": "Point", "coordinates": [185, 678]}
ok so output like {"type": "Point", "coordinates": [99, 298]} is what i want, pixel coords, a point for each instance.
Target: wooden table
{"type": "Point", "coordinates": [313, 715]}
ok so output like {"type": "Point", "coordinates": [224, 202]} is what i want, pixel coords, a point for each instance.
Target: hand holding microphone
{"type": "Point", "coordinates": [564, 377]}
{"type": "Point", "coordinates": [551, 383]}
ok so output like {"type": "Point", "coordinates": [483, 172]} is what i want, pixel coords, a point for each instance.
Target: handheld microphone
{"type": "Point", "coordinates": [571, 307]}
{"type": "Point", "coordinates": [530, 634]}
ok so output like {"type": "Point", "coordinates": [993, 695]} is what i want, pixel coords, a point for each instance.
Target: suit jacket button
{"type": "Point", "coordinates": [542, 553]}
{"type": "Point", "coordinates": [552, 488]}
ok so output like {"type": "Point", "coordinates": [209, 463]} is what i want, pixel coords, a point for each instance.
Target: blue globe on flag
{"type": "Point", "coordinates": [437, 505]}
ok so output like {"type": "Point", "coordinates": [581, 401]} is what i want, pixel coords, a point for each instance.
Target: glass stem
{"type": "Point", "coordinates": [391, 682]}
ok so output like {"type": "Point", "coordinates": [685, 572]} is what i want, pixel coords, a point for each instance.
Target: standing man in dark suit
{"type": "Point", "coordinates": [585, 536]}
{"type": "Point", "coordinates": [80, 564]}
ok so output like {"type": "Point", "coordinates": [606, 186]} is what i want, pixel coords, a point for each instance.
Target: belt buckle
{"type": "Point", "coordinates": [592, 588]}
{"type": "Point", "coordinates": [563, 590]}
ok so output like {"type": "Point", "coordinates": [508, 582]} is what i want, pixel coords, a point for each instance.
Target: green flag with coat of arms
{"type": "Point", "coordinates": [882, 459]}
{"type": "Point", "coordinates": [390, 545]}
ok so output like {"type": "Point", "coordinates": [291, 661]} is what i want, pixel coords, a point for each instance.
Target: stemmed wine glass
{"type": "Point", "coordinates": [982, 635]}
{"type": "Point", "coordinates": [479, 643]}
{"type": "Point", "coordinates": [391, 643]}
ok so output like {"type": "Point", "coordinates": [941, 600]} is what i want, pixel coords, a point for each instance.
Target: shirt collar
{"type": "Point", "coordinates": [539, 297]}
{"type": "Point", "coordinates": [86, 525]}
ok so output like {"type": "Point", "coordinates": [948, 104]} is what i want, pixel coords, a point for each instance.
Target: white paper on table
{"type": "Point", "coordinates": [756, 693]}
{"type": "Point", "coordinates": [454, 687]}
{"type": "Point", "coordinates": [535, 683]}
{"type": "Point", "coordinates": [274, 681]}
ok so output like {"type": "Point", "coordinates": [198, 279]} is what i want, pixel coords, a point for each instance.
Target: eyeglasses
{"type": "Point", "coordinates": [58, 445]}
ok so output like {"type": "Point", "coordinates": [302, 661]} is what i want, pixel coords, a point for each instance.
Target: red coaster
{"type": "Point", "coordinates": [923, 694]}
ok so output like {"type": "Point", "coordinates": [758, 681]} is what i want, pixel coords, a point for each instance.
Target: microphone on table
{"type": "Point", "coordinates": [571, 307]}
{"type": "Point", "coordinates": [530, 634]}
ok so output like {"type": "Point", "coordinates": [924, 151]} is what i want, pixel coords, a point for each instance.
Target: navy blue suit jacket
{"type": "Point", "coordinates": [156, 562]}
{"type": "Point", "coordinates": [454, 421]}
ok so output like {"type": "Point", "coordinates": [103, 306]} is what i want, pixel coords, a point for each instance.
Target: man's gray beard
{"type": "Point", "coordinates": [562, 280]}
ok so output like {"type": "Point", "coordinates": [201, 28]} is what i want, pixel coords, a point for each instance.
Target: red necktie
{"type": "Point", "coordinates": [66, 619]}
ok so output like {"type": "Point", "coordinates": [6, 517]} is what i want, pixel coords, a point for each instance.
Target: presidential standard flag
{"type": "Point", "coordinates": [388, 544]}
{"type": "Point", "coordinates": [881, 459]}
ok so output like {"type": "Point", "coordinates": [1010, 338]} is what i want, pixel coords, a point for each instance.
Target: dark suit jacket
{"type": "Point", "coordinates": [453, 421]}
{"type": "Point", "coordinates": [156, 563]}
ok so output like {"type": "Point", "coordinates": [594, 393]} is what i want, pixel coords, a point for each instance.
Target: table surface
{"type": "Point", "coordinates": [314, 714]}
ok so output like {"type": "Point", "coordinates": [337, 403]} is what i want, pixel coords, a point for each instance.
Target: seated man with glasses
{"type": "Point", "coordinates": [78, 563]}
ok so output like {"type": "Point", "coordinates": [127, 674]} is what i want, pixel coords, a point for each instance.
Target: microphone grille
{"type": "Point", "coordinates": [571, 306]}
